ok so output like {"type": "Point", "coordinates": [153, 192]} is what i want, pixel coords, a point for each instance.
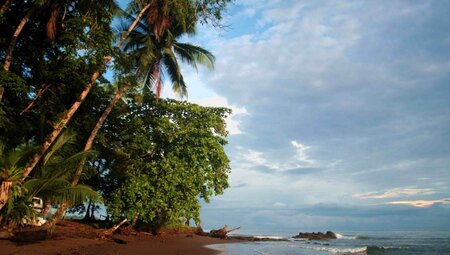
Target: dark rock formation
{"type": "Point", "coordinates": [316, 236]}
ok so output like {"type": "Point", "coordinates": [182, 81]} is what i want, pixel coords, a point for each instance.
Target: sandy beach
{"type": "Point", "coordinates": [79, 239]}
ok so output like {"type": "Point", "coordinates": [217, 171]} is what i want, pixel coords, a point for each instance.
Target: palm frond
{"type": "Point", "coordinates": [69, 165]}
{"type": "Point", "coordinates": [67, 137]}
{"type": "Point", "coordinates": [174, 72]}
{"type": "Point", "coordinates": [46, 187]}
{"type": "Point", "coordinates": [193, 55]}
{"type": "Point", "coordinates": [79, 194]}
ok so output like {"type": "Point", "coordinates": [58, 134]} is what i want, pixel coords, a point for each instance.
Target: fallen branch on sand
{"type": "Point", "coordinates": [222, 233]}
{"type": "Point", "coordinates": [109, 232]}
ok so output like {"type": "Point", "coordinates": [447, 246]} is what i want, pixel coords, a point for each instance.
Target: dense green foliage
{"type": "Point", "coordinates": [155, 159]}
{"type": "Point", "coordinates": [173, 154]}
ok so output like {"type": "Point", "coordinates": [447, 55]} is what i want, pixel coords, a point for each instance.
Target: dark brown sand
{"type": "Point", "coordinates": [173, 244]}
{"type": "Point", "coordinates": [78, 240]}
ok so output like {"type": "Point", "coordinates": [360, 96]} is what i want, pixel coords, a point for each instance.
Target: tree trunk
{"type": "Point", "coordinates": [88, 210]}
{"type": "Point", "coordinates": [38, 94]}
{"type": "Point", "coordinates": [89, 142]}
{"type": "Point", "coordinates": [58, 127]}
{"type": "Point", "coordinates": [131, 28]}
{"type": "Point", "coordinates": [47, 207]}
{"type": "Point", "coordinates": [12, 43]}
{"type": "Point", "coordinates": [5, 6]}
{"type": "Point", "coordinates": [51, 24]}
{"type": "Point", "coordinates": [92, 211]}
{"type": "Point", "coordinates": [109, 232]}
{"type": "Point", "coordinates": [94, 132]}
{"type": "Point", "coordinates": [50, 224]}
{"type": "Point", "coordinates": [135, 219]}
{"type": "Point", "coordinates": [4, 192]}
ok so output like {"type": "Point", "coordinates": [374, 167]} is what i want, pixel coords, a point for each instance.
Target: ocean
{"type": "Point", "coordinates": [386, 243]}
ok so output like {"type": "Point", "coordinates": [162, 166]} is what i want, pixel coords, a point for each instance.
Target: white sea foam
{"type": "Point", "coordinates": [345, 250]}
{"type": "Point", "coordinates": [261, 253]}
{"type": "Point", "coordinates": [334, 250]}
{"type": "Point", "coordinates": [340, 236]}
{"type": "Point", "coordinates": [270, 237]}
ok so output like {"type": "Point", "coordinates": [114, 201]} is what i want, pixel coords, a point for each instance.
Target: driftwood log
{"type": "Point", "coordinates": [222, 232]}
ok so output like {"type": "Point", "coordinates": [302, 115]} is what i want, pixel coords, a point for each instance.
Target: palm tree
{"type": "Point", "coordinates": [71, 111]}
{"type": "Point", "coordinates": [52, 183]}
{"type": "Point", "coordinates": [11, 167]}
{"type": "Point", "coordinates": [144, 7]}
{"type": "Point", "coordinates": [56, 7]}
{"type": "Point", "coordinates": [152, 53]}
{"type": "Point", "coordinates": [51, 24]}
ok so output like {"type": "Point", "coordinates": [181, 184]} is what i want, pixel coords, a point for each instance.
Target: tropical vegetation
{"type": "Point", "coordinates": [81, 118]}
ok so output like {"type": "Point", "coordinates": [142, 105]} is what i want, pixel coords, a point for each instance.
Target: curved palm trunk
{"type": "Point", "coordinates": [13, 41]}
{"type": "Point", "coordinates": [88, 146]}
{"type": "Point", "coordinates": [47, 208]}
{"type": "Point", "coordinates": [5, 6]}
{"type": "Point", "coordinates": [60, 212]}
{"type": "Point", "coordinates": [94, 132]}
{"type": "Point", "coordinates": [50, 224]}
{"type": "Point", "coordinates": [63, 121]}
{"type": "Point", "coordinates": [66, 117]}
{"type": "Point", "coordinates": [4, 192]}
{"type": "Point", "coordinates": [51, 24]}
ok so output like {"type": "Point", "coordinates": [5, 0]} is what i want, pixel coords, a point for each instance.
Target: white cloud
{"type": "Point", "coordinates": [233, 120]}
{"type": "Point", "coordinates": [397, 192]}
{"type": "Point", "coordinates": [301, 153]}
{"type": "Point", "coordinates": [336, 81]}
{"type": "Point", "coordinates": [279, 204]}
{"type": "Point", "coordinates": [421, 203]}
{"type": "Point", "coordinates": [253, 159]}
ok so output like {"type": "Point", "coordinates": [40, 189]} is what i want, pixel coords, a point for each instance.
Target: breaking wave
{"type": "Point", "coordinates": [378, 249]}
{"type": "Point", "coordinates": [338, 250]}
{"type": "Point", "coordinates": [340, 236]}
{"type": "Point", "coordinates": [353, 250]}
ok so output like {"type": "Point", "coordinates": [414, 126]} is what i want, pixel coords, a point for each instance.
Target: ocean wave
{"type": "Point", "coordinates": [261, 253]}
{"type": "Point", "coordinates": [340, 250]}
{"type": "Point", "coordinates": [340, 236]}
{"type": "Point", "coordinates": [358, 237]}
{"type": "Point", "coordinates": [270, 237]}
{"type": "Point", "coordinates": [379, 249]}
{"type": "Point", "coordinates": [334, 250]}
{"type": "Point", "coordinates": [353, 250]}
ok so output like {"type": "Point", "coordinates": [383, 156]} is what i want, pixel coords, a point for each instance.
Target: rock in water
{"type": "Point", "coordinates": [317, 236]}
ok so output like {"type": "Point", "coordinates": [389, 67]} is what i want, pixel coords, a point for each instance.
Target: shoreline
{"type": "Point", "coordinates": [74, 238]}
{"type": "Point", "coordinates": [170, 244]}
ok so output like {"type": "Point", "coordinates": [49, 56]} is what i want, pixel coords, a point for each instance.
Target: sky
{"type": "Point", "coordinates": [341, 114]}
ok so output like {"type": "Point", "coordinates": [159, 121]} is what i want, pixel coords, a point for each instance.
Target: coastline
{"type": "Point", "coordinates": [170, 244]}
{"type": "Point", "coordinates": [73, 238]}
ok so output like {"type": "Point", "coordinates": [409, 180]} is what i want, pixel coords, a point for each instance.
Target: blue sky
{"type": "Point", "coordinates": [341, 114]}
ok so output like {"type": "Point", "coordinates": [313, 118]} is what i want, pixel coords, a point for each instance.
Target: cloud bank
{"type": "Point", "coordinates": [346, 103]}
